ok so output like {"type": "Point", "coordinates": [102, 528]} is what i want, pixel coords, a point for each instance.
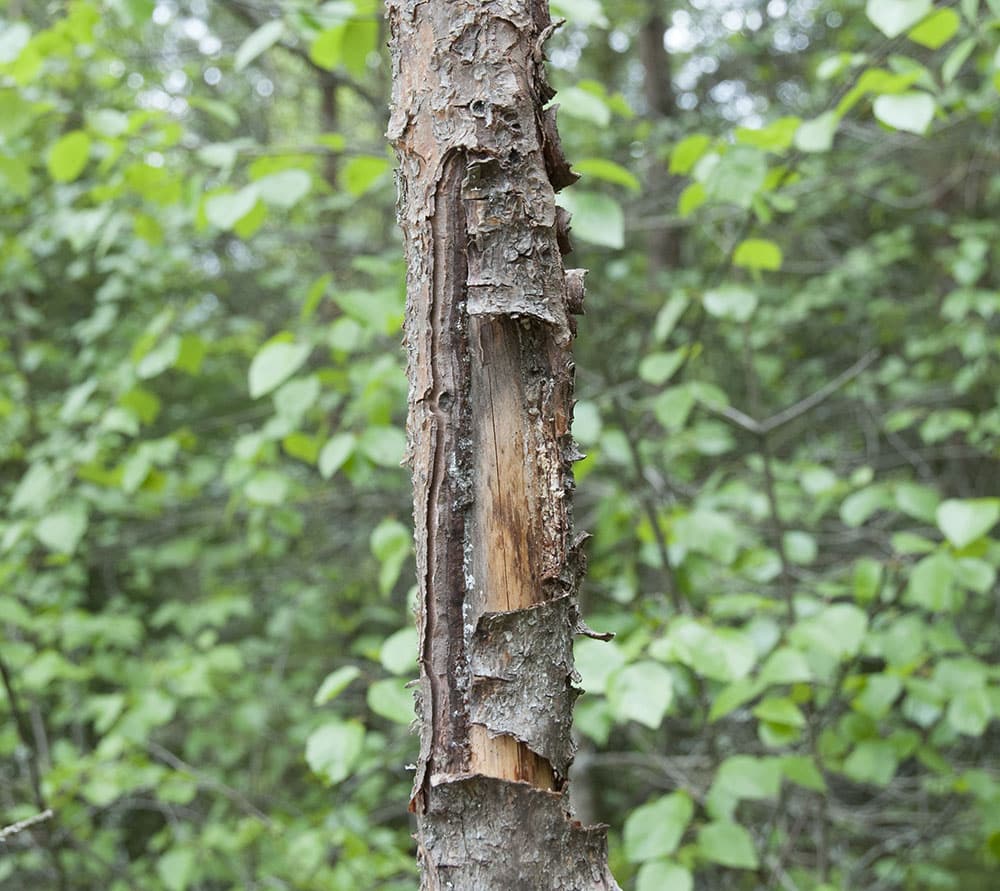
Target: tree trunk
{"type": "Point", "coordinates": [488, 337]}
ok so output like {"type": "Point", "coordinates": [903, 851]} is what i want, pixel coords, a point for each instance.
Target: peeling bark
{"type": "Point", "coordinates": [488, 336]}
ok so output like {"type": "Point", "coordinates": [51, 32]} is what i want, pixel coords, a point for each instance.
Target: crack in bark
{"type": "Point", "coordinates": [442, 650]}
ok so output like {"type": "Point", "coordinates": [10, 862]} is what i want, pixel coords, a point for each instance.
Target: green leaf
{"type": "Point", "coordinates": [586, 422]}
{"type": "Point", "coordinates": [596, 661]}
{"type": "Point", "coordinates": [226, 209]}
{"type": "Point", "coordinates": [159, 359]}
{"type": "Point", "coordinates": [391, 543]}
{"type": "Point", "coordinates": [364, 172]}
{"type": "Point", "coordinates": [668, 317]}
{"type": "Point", "coordinates": [708, 532]}
{"type": "Point", "coordinates": [176, 868]}
{"type": "Point", "coordinates": [976, 575]}
{"type": "Point", "coordinates": [275, 362]}
{"type": "Point", "coordinates": [730, 302]}
{"type": "Point", "coordinates": [937, 29]}
{"type": "Point", "coordinates": [335, 453]}
{"type": "Point", "coordinates": [817, 479]}
{"type": "Point", "coordinates": [14, 37]}
{"type": "Point", "coordinates": [335, 683]}
{"type": "Point", "coordinates": [61, 530]}
{"type": "Point", "coordinates": [878, 695]}
{"type": "Point", "coordinates": [332, 750]}
{"type": "Point", "coordinates": [68, 156]}
{"type": "Point", "coordinates": [673, 406]}
{"type": "Point", "coordinates": [919, 502]}
{"type": "Point", "coordinates": [732, 696]}
{"type": "Point", "coordinates": [872, 761]}
{"type": "Point", "coordinates": [893, 17]}
{"type": "Point", "coordinates": [107, 121]}
{"type": "Point", "coordinates": [658, 368]}
{"type": "Point", "coordinates": [800, 547]}
{"type": "Point", "coordinates": [609, 171]}
{"type": "Point", "coordinates": [802, 770]}
{"type": "Point", "coordinates": [261, 40]}
{"type": "Point", "coordinates": [581, 12]}
{"type": "Point", "coordinates": [597, 218]}
{"type": "Point", "coordinates": [693, 197]}
{"type": "Point", "coordinates": [584, 105]}
{"type": "Point", "coordinates": [326, 50]}
{"type": "Point", "coordinates": [758, 253]}
{"type": "Point", "coordinates": [965, 521]}
{"type": "Point", "coordinates": [655, 829]}
{"type": "Point", "coordinates": [390, 699]}
{"type": "Point", "coordinates": [932, 584]}
{"type": "Point", "coordinates": [867, 579]}
{"type": "Point", "coordinates": [747, 777]}
{"type": "Point", "coordinates": [687, 152]}
{"type": "Point", "coordinates": [662, 875]}
{"type": "Point", "coordinates": [970, 711]}
{"type": "Point", "coordinates": [384, 446]}
{"type": "Point", "coordinates": [786, 665]}
{"type": "Point", "coordinates": [738, 176]}
{"type": "Point", "coordinates": [775, 137]}
{"type": "Point", "coordinates": [722, 654]}
{"type": "Point", "coordinates": [641, 692]}
{"type": "Point", "coordinates": [956, 59]}
{"type": "Point", "coordinates": [837, 630]}
{"type": "Point", "coordinates": [859, 506]}
{"type": "Point", "coordinates": [286, 188]}
{"type": "Point", "coordinates": [727, 844]}
{"type": "Point", "coordinates": [398, 654]}
{"type": "Point", "coordinates": [911, 112]}
{"type": "Point", "coordinates": [36, 488]}
{"type": "Point", "coordinates": [780, 710]}
{"type": "Point", "coordinates": [817, 135]}
{"type": "Point", "coordinates": [267, 487]}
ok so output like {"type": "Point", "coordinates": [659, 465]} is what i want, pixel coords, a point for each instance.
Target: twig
{"type": "Point", "coordinates": [330, 78]}
{"type": "Point", "coordinates": [233, 795]}
{"type": "Point", "coordinates": [762, 428]}
{"type": "Point", "coordinates": [21, 825]}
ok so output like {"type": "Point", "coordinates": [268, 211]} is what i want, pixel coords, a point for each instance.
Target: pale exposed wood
{"type": "Point", "coordinates": [506, 576]}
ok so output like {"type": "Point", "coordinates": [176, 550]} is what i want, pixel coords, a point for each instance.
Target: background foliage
{"type": "Point", "coordinates": [790, 400]}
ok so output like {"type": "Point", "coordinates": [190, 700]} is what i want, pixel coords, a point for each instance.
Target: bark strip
{"type": "Point", "coordinates": [488, 339]}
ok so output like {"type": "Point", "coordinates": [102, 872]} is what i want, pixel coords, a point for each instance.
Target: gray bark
{"type": "Point", "coordinates": [488, 339]}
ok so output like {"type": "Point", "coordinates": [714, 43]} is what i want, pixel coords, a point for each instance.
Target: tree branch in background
{"type": "Point", "coordinates": [328, 79]}
{"type": "Point", "coordinates": [761, 428]}
{"type": "Point", "coordinates": [21, 825]}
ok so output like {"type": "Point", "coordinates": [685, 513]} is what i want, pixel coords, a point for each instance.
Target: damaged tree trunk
{"type": "Point", "coordinates": [488, 336]}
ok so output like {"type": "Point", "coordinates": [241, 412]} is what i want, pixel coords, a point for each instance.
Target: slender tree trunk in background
{"type": "Point", "coordinates": [664, 245]}
{"type": "Point", "coordinates": [488, 336]}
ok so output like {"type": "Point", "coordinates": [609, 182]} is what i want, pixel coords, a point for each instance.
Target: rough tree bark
{"type": "Point", "coordinates": [488, 337]}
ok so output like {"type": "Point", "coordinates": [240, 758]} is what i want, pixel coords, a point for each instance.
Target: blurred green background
{"type": "Point", "coordinates": [789, 383]}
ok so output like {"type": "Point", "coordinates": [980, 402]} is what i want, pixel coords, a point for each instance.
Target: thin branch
{"type": "Point", "coordinates": [762, 428]}
{"type": "Point", "coordinates": [208, 782]}
{"type": "Point", "coordinates": [329, 78]}
{"type": "Point", "coordinates": [822, 394]}
{"type": "Point", "coordinates": [21, 825]}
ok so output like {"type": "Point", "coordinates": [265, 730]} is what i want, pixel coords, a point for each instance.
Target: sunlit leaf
{"type": "Point", "coordinates": [597, 218]}
{"type": "Point", "coordinates": [68, 156]}
{"type": "Point", "coordinates": [333, 749]}
{"type": "Point", "coordinates": [259, 41]}
{"type": "Point", "coordinates": [274, 363]}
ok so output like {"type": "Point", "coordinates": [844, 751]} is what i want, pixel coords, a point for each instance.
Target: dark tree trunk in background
{"type": "Point", "coordinates": [663, 245]}
{"type": "Point", "coordinates": [488, 336]}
